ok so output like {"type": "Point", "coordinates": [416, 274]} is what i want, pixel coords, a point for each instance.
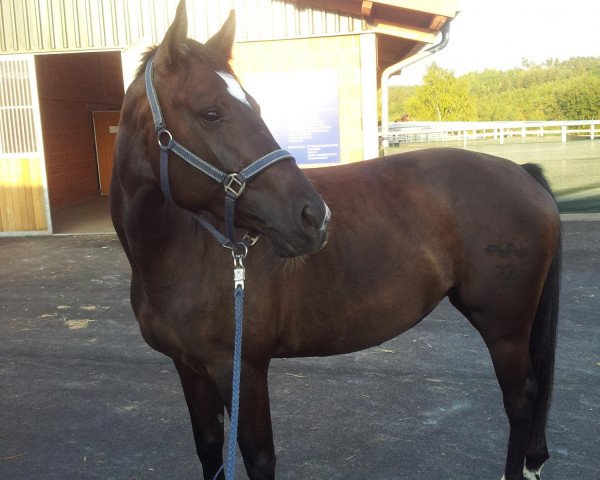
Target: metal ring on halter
{"type": "Point", "coordinates": [239, 252]}
{"type": "Point", "coordinates": [159, 135]}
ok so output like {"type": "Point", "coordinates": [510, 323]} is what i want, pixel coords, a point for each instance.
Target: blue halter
{"type": "Point", "coordinates": [233, 183]}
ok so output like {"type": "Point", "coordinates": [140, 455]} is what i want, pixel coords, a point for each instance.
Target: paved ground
{"type": "Point", "coordinates": [82, 397]}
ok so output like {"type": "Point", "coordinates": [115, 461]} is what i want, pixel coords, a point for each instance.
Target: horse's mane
{"type": "Point", "coordinates": [146, 56]}
{"type": "Point", "coordinates": [193, 49]}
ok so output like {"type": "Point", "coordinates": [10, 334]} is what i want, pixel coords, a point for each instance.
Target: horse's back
{"type": "Point", "coordinates": [487, 197]}
{"type": "Point", "coordinates": [474, 188]}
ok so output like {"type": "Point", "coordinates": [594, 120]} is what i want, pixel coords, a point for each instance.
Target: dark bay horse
{"type": "Point", "coordinates": [406, 231]}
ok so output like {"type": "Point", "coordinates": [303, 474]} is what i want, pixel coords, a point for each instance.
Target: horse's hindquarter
{"type": "Point", "coordinates": [509, 228]}
{"type": "Point", "coordinates": [405, 231]}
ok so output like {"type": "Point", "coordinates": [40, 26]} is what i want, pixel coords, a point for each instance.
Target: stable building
{"type": "Point", "coordinates": [314, 66]}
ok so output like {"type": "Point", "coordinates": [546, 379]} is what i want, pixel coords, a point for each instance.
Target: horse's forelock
{"type": "Point", "coordinates": [146, 56]}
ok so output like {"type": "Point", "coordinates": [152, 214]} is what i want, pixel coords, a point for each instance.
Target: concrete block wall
{"type": "Point", "coordinates": [341, 53]}
{"type": "Point", "coordinates": [70, 87]}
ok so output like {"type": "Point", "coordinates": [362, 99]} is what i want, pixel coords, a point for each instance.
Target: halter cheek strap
{"type": "Point", "coordinates": [233, 183]}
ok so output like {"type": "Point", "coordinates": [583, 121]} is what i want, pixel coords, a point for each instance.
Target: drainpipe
{"type": "Point", "coordinates": [396, 68]}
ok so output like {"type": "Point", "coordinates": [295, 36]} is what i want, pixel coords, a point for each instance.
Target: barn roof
{"type": "Point", "coordinates": [45, 26]}
{"type": "Point", "coordinates": [403, 26]}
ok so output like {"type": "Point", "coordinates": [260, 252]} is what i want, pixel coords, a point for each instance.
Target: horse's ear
{"type": "Point", "coordinates": [172, 48]}
{"type": "Point", "coordinates": [222, 41]}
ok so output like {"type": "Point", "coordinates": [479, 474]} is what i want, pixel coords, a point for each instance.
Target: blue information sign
{"type": "Point", "coordinates": [302, 111]}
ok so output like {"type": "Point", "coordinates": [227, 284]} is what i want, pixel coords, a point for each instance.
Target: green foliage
{"type": "Point", "coordinates": [579, 98]}
{"type": "Point", "coordinates": [397, 102]}
{"type": "Point", "coordinates": [442, 97]}
{"type": "Point", "coordinates": [554, 90]}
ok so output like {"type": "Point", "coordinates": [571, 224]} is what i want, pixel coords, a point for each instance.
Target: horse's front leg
{"type": "Point", "coordinates": [255, 434]}
{"type": "Point", "coordinates": [206, 412]}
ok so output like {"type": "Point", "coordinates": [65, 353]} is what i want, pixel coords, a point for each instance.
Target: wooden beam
{"type": "Point", "coordinates": [437, 22]}
{"type": "Point", "coordinates": [366, 8]}
{"type": "Point", "coordinates": [446, 8]}
{"type": "Point", "coordinates": [440, 10]}
{"type": "Point", "coordinates": [422, 35]}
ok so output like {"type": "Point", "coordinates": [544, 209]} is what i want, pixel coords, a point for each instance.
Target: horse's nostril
{"type": "Point", "coordinates": [316, 224]}
{"type": "Point", "coordinates": [309, 219]}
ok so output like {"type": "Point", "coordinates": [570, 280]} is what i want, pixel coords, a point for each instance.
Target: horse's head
{"type": "Point", "coordinates": [209, 113]}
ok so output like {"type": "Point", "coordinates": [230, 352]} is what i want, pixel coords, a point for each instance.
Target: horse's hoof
{"type": "Point", "coordinates": [533, 474]}
{"type": "Point", "coordinates": [530, 474]}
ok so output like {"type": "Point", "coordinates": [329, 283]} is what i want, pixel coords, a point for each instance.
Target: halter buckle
{"type": "Point", "coordinates": [251, 239]}
{"type": "Point", "coordinates": [234, 186]}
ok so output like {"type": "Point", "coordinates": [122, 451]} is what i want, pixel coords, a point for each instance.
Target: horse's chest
{"type": "Point", "coordinates": [177, 318]}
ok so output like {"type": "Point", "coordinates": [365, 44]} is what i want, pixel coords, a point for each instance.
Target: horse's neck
{"type": "Point", "coordinates": [149, 224]}
{"type": "Point", "coordinates": [161, 239]}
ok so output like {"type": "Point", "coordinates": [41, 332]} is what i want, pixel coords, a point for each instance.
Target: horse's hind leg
{"type": "Point", "coordinates": [537, 454]}
{"type": "Point", "coordinates": [206, 413]}
{"type": "Point", "coordinates": [506, 334]}
{"type": "Point", "coordinates": [537, 448]}
{"type": "Point", "coordinates": [510, 356]}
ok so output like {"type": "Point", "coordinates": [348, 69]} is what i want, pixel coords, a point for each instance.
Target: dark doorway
{"type": "Point", "coordinates": [71, 87]}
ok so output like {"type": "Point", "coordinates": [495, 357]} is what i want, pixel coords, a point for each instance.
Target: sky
{"type": "Point", "coordinates": [500, 33]}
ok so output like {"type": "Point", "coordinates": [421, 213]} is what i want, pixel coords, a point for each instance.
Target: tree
{"type": "Point", "coordinates": [552, 90]}
{"type": "Point", "coordinates": [579, 98]}
{"type": "Point", "coordinates": [442, 97]}
{"type": "Point", "coordinates": [398, 95]}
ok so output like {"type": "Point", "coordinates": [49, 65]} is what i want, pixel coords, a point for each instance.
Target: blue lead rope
{"type": "Point", "coordinates": [238, 302]}
{"type": "Point", "coordinates": [235, 384]}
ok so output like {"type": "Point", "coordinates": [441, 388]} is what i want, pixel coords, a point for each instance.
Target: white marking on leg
{"type": "Point", "coordinates": [234, 88]}
{"type": "Point", "coordinates": [532, 474]}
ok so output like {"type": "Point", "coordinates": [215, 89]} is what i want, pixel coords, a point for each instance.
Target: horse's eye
{"type": "Point", "coordinates": [211, 116]}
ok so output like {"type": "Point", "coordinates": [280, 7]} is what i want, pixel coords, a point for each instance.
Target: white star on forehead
{"type": "Point", "coordinates": [234, 88]}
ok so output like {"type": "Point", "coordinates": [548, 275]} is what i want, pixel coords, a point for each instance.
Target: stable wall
{"type": "Point", "coordinates": [22, 174]}
{"type": "Point", "coordinates": [350, 55]}
{"type": "Point", "coordinates": [70, 87]}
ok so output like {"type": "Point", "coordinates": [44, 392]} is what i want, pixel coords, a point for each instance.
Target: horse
{"type": "Point", "coordinates": [405, 231]}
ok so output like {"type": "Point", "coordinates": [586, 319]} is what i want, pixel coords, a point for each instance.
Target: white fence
{"type": "Point", "coordinates": [419, 132]}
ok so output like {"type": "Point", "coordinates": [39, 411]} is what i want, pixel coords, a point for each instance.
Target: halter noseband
{"type": "Point", "coordinates": [233, 183]}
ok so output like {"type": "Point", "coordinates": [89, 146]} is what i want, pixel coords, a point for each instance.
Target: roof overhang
{"type": "Point", "coordinates": [403, 27]}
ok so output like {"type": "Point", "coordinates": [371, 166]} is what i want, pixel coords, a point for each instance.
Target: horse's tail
{"type": "Point", "coordinates": [542, 343]}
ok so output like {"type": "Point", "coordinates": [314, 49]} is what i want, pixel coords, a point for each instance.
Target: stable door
{"type": "Point", "coordinates": [105, 132]}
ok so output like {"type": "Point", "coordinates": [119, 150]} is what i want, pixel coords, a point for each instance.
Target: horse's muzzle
{"type": "Point", "coordinates": [309, 236]}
